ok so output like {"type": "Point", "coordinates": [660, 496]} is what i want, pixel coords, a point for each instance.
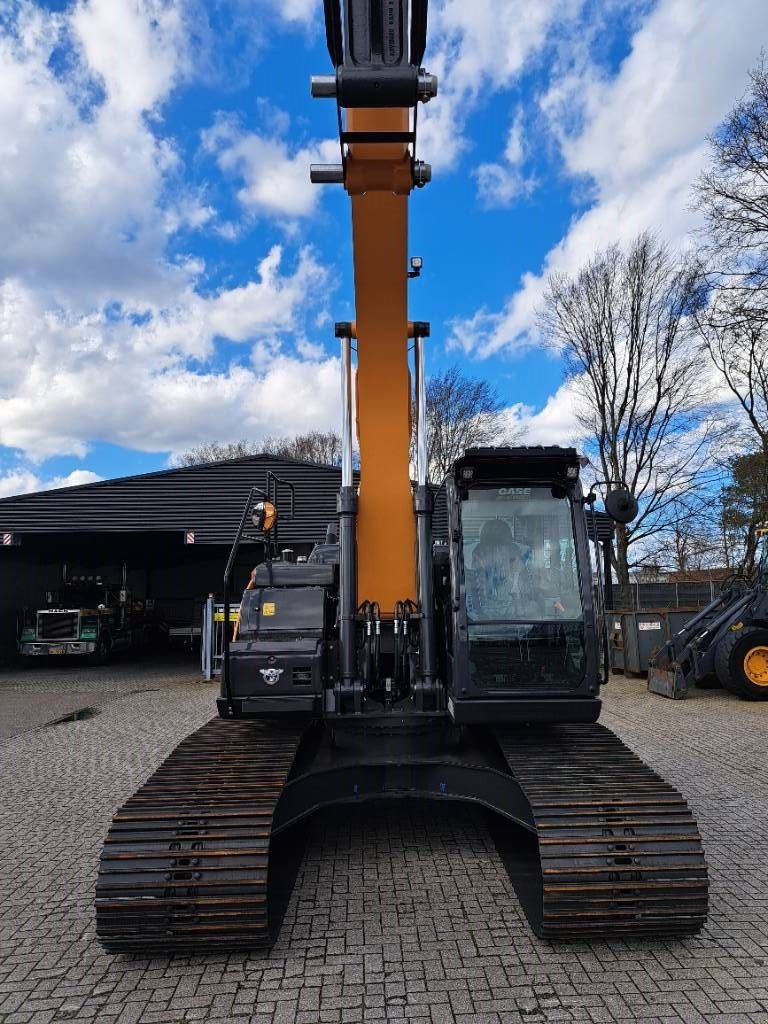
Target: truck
{"type": "Point", "coordinates": [86, 616]}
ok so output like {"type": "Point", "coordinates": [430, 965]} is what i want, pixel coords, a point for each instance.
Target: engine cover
{"type": "Point", "coordinates": [279, 661]}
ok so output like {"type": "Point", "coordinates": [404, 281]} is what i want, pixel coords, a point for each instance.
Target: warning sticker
{"type": "Point", "coordinates": [268, 608]}
{"type": "Point", "coordinates": [648, 625]}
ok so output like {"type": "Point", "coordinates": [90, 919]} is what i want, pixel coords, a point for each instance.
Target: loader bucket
{"type": "Point", "coordinates": [667, 682]}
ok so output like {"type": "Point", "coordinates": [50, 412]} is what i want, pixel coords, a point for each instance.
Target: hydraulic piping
{"type": "Point", "coordinates": [398, 618]}
{"type": "Point", "coordinates": [376, 614]}
{"type": "Point", "coordinates": [347, 510]}
{"type": "Point", "coordinates": [365, 610]}
{"type": "Point", "coordinates": [409, 610]}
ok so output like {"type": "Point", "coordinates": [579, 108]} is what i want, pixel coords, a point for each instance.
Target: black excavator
{"type": "Point", "coordinates": [391, 665]}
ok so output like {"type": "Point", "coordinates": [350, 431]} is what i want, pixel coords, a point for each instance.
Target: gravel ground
{"type": "Point", "coordinates": [399, 913]}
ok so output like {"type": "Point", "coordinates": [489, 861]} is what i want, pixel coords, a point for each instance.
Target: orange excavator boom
{"type": "Point", "coordinates": [377, 84]}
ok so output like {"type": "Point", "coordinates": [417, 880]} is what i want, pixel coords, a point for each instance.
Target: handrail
{"type": "Point", "coordinates": [227, 576]}
{"type": "Point", "coordinates": [273, 478]}
{"type": "Point", "coordinates": [273, 483]}
{"type": "Point", "coordinates": [601, 630]}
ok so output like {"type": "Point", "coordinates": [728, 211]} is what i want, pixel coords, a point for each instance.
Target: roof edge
{"type": "Point", "coordinates": [171, 471]}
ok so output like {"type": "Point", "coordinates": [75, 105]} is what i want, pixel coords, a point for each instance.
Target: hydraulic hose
{"type": "Point", "coordinates": [398, 618]}
{"type": "Point", "coordinates": [409, 609]}
{"type": "Point", "coordinates": [365, 609]}
{"type": "Point", "coordinates": [376, 613]}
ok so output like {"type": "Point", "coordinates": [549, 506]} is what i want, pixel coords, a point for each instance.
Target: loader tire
{"type": "Point", "coordinates": [741, 663]}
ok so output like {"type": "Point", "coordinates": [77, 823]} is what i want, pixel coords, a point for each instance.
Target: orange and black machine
{"type": "Point", "coordinates": [465, 667]}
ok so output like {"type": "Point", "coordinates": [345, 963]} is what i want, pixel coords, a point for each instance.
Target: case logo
{"type": "Point", "coordinates": [271, 675]}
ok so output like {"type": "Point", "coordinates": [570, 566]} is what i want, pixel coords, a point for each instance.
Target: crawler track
{"type": "Point", "coordinates": [619, 850]}
{"type": "Point", "coordinates": [185, 862]}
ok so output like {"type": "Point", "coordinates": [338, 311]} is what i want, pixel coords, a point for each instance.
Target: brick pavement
{"type": "Point", "coordinates": [401, 914]}
{"type": "Point", "coordinates": [38, 692]}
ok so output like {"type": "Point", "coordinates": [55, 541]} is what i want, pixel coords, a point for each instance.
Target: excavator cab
{"type": "Point", "coordinates": [519, 591]}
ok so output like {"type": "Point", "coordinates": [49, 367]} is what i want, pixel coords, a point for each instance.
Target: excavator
{"type": "Point", "coordinates": [394, 666]}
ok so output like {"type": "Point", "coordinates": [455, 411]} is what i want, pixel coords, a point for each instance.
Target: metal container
{"type": "Point", "coordinates": [634, 636]}
{"type": "Point", "coordinates": [680, 618]}
{"type": "Point", "coordinates": [643, 633]}
{"type": "Point", "coordinates": [615, 640]}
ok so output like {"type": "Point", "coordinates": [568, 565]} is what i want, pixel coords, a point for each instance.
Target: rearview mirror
{"type": "Point", "coordinates": [264, 516]}
{"type": "Point", "coordinates": [621, 505]}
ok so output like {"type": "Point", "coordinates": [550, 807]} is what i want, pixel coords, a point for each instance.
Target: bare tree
{"type": "Point", "coordinates": [624, 326]}
{"type": "Point", "coordinates": [740, 353]}
{"type": "Point", "coordinates": [320, 447]}
{"type": "Point", "coordinates": [216, 451]}
{"type": "Point", "coordinates": [733, 194]}
{"type": "Point", "coordinates": [688, 543]}
{"type": "Point", "coordinates": [462, 412]}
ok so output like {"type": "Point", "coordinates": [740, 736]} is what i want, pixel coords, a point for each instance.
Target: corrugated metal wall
{"type": "Point", "coordinates": [206, 499]}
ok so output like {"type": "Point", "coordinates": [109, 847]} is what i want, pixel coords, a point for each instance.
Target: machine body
{"type": "Point", "coordinates": [390, 666]}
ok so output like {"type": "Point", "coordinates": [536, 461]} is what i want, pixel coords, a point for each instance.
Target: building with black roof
{"type": "Point", "coordinates": [173, 529]}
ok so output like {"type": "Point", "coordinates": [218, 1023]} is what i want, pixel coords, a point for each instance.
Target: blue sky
{"type": "Point", "coordinates": [168, 275]}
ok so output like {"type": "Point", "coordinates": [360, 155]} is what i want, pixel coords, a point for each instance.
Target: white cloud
{"type": "Point", "coordinates": [554, 423]}
{"type": "Point", "coordinates": [514, 150]}
{"type": "Point", "coordinates": [275, 175]}
{"type": "Point", "coordinates": [82, 175]}
{"type": "Point", "coordinates": [477, 49]}
{"type": "Point", "coordinates": [499, 184]}
{"type": "Point", "coordinates": [188, 211]}
{"type": "Point", "coordinates": [669, 92]}
{"type": "Point", "coordinates": [307, 12]}
{"type": "Point", "coordinates": [639, 142]}
{"type": "Point", "coordinates": [138, 48]}
{"type": "Point", "coordinates": [269, 304]}
{"type": "Point", "coordinates": [104, 334]}
{"type": "Point", "coordinates": [309, 350]}
{"type": "Point", "coordinates": [24, 481]}
{"type": "Point", "coordinates": [65, 378]}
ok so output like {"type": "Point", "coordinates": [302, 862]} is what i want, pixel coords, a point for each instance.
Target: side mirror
{"type": "Point", "coordinates": [264, 516]}
{"type": "Point", "coordinates": [621, 505]}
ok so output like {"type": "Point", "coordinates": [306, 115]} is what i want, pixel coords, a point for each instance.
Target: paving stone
{"type": "Point", "coordinates": [401, 912]}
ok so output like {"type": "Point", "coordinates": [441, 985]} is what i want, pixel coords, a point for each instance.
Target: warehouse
{"type": "Point", "coordinates": [172, 529]}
